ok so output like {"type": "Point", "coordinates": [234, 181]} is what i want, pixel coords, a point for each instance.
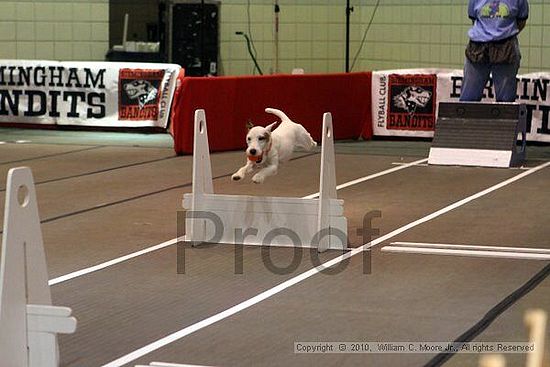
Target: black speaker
{"type": "Point", "coordinates": [192, 30]}
{"type": "Point", "coordinates": [479, 134]}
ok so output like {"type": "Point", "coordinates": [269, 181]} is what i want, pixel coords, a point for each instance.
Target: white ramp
{"type": "Point", "coordinates": [28, 321]}
{"type": "Point", "coordinates": [479, 134]}
{"type": "Point", "coordinates": [261, 220]}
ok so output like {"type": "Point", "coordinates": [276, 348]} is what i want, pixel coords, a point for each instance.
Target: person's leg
{"type": "Point", "coordinates": [504, 75]}
{"type": "Point", "coordinates": [504, 78]}
{"type": "Point", "coordinates": [475, 77]}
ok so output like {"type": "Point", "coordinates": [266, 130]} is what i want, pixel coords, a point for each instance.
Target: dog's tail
{"type": "Point", "coordinates": [280, 114]}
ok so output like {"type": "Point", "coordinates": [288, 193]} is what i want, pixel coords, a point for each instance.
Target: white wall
{"type": "Point", "coordinates": [54, 29]}
{"type": "Point", "coordinates": [404, 33]}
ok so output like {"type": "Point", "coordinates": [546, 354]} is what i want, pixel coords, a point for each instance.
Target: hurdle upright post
{"type": "Point", "coordinates": [535, 320]}
{"type": "Point", "coordinates": [202, 175]}
{"type": "Point", "coordinates": [492, 360]}
{"type": "Point", "coordinates": [327, 182]}
{"type": "Point", "coordinates": [28, 321]}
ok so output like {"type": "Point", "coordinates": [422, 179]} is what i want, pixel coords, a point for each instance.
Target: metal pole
{"type": "Point", "coordinates": [277, 10]}
{"type": "Point", "coordinates": [203, 69]}
{"type": "Point", "coordinates": [349, 10]}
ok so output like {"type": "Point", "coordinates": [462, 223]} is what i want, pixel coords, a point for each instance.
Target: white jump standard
{"type": "Point", "coordinates": [259, 220]}
{"type": "Point", "coordinates": [28, 321]}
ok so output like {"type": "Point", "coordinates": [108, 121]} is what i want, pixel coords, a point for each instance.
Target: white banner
{"type": "Point", "coordinates": [404, 102]}
{"type": "Point", "coordinates": [104, 94]}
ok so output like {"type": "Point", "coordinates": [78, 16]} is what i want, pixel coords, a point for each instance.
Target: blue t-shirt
{"type": "Point", "coordinates": [496, 19]}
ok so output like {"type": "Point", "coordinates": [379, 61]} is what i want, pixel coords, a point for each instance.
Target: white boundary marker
{"type": "Point", "coordinates": [523, 168]}
{"type": "Point", "coordinates": [467, 253]}
{"type": "Point", "coordinates": [118, 260]}
{"type": "Point", "coordinates": [521, 253]}
{"type": "Point", "coordinates": [473, 247]}
{"type": "Point", "coordinates": [132, 356]}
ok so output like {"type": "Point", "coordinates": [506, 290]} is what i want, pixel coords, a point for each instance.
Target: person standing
{"type": "Point", "coordinates": [493, 48]}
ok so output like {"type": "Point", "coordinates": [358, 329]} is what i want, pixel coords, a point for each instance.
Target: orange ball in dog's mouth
{"type": "Point", "coordinates": [254, 158]}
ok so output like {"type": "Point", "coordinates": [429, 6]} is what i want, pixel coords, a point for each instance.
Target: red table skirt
{"type": "Point", "coordinates": [229, 102]}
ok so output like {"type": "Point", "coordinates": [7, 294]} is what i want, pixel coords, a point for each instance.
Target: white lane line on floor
{"type": "Point", "coordinates": [472, 247]}
{"type": "Point", "coordinates": [173, 241]}
{"type": "Point", "coordinates": [15, 142]}
{"type": "Point", "coordinates": [402, 164]}
{"type": "Point", "coordinates": [138, 353]}
{"type": "Point", "coordinates": [106, 264]}
{"type": "Point", "coordinates": [373, 176]}
{"type": "Point", "coordinates": [162, 364]}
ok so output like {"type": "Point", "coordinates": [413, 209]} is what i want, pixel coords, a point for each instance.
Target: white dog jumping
{"type": "Point", "coordinates": [267, 148]}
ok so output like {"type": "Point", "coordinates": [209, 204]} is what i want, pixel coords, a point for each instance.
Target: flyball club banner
{"type": "Point", "coordinates": [103, 94]}
{"type": "Point", "coordinates": [404, 102]}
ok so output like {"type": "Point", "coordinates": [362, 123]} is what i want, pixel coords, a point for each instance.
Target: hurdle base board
{"type": "Point", "coordinates": [262, 204]}
{"type": "Point", "coordinates": [266, 214]}
{"type": "Point", "coordinates": [305, 230]}
{"type": "Point", "coordinates": [306, 236]}
{"type": "Point", "coordinates": [470, 157]}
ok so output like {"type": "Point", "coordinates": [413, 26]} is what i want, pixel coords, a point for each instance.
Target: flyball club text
{"type": "Point", "coordinates": [539, 92]}
{"type": "Point", "coordinates": [46, 87]}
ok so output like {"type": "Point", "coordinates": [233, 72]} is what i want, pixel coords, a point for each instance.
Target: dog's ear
{"type": "Point", "coordinates": [270, 127]}
{"type": "Point", "coordinates": [249, 124]}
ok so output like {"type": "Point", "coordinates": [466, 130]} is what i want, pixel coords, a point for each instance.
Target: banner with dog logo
{"type": "Point", "coordinates": [404, 102]}
{"type": "Point", "coordinates": [86, 93]}
{"type": "Point", "coordinates": [411, 102]}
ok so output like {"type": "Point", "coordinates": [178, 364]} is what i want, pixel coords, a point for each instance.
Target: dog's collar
{"type": "Point", "coordinates": [268, 148]}
{"type": "Point", "coordinates": [266, 152]}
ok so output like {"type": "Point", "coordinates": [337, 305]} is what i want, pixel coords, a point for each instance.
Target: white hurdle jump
{"type": "Point", "coordinates": [28, 321]}
{"type": "Point", "coordinates": [281, 221]}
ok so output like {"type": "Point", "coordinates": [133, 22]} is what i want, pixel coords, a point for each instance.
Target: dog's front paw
{"type": "Point", "coordinates": [236, 177]}
{"type": "Point", "coordinates": [258, 179]}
